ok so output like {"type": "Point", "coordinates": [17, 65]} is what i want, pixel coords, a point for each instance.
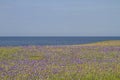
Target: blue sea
{"type": "Point", "coordinates": [41, 41]}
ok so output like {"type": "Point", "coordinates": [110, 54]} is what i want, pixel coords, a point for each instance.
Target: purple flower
{"type": "Point", "coordinates": [55, 71]}
{"type": "Point", "coordinates": [1, 69]}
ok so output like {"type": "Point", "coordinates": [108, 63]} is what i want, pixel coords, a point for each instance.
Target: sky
{"type": "Point", "coordinates": [59, 17]}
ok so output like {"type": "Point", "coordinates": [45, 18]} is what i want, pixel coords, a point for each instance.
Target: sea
{"type": "Point", "coordinates": [43, 41]}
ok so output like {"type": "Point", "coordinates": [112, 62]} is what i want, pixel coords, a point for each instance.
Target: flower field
{"type": "Point", "coordinates": [95, 61]}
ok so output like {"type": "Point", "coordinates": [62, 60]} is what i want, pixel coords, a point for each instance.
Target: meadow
{"type": "Point", "coordinates": [95, 61]}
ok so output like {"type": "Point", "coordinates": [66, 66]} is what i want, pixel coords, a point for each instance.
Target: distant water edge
{"type": "Point", "coordinates": [41, 41]}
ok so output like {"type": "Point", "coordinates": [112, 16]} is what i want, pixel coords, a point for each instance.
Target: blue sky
{"type": "Point", "coordinates": [59, 17]}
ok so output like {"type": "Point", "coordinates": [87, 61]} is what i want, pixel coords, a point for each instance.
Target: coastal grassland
{"type": "Point", "coordinates": [96, 61]}
{"type": "Point", "coordinates": [105, 43]}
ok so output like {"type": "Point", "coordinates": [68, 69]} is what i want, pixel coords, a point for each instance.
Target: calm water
{"type": "Point", "coordinates": [24, 41]}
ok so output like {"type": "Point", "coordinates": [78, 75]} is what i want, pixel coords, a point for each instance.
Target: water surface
{"type": "Point", "coordinates": [25, 41]}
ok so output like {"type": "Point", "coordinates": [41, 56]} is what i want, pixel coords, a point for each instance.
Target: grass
{"type": "Point", "coordinates": [105, 43]}
{"type": "Point", "coordinates": [95, 61]}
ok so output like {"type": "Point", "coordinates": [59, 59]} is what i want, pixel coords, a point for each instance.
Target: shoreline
{"type": "Point", "coordinates": [99, 43]}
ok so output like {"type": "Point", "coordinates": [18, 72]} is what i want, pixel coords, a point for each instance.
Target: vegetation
{"type": "Point", "coordinates": [96, 61]}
